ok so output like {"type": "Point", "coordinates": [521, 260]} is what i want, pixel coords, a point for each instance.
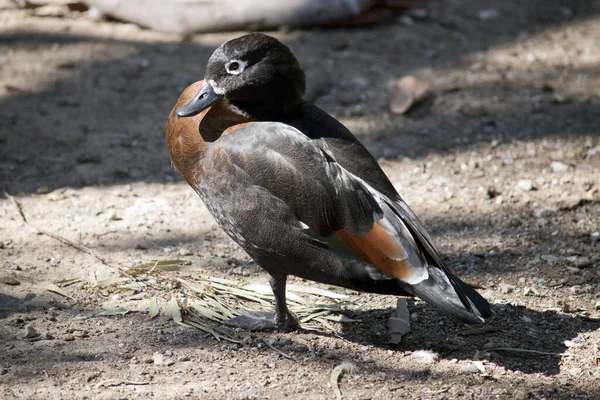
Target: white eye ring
{"type": "Point", "coordinates": [235, 67]}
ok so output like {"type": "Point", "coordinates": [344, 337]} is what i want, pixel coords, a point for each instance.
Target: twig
{"type": "Point", "coordinates": [528, 351]}
{"type": "Point", "coordinates": [117, 382]}
{"type": "Point", "coordinates": [435, 391]}
{"type": "Point", "coordinates": [279, 351]}
{"type": "Point", "coordinates": [336, 373]}
{"type": "Point", "coordinates": [16, 204]}
{"type": "Point", "coordinates": [105, 260]}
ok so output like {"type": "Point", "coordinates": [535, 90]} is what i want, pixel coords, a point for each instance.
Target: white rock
{"type": "Point", "coordinates": [424, 356]}
{"type": "Point", "coordinates": [558, 166]}
{"type": "Point", "coordinates": [489, 14]}
{"type": "Point", "coordinates": [525, 185]}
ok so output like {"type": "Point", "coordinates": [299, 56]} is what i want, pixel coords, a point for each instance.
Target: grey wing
{"type": "Point", "coordinates": [286, 163]}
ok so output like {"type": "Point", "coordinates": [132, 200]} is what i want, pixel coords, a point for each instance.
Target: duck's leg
{"type": "Point", "coordinates": [282, 319]}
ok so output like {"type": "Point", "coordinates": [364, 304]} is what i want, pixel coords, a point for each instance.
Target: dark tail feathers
{"type": "Point", "coordinates": [438, 291]}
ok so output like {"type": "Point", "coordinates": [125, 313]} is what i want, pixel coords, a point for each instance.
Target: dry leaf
{"type": "Point", "coordinates": [477, 362]}
{"type": "Point", "coordinates": [57, 290]}
{"type": "Point", "coordinates": [114, 311]}
{"type": "Point", "coordinates": [336, 373]}
{"type": "Point", "coordinates": [176, 312]}
{"type": "Point", "coordinates": [153, 310]}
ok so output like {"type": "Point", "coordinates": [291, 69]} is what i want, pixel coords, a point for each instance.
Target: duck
{"type": "Point", "coordinates": [297, 191]}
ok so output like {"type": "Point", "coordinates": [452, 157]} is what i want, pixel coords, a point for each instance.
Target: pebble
{"type": "Point", "coordinates": [185, 252]}
{"type": "Point", "coordinates": [4, 371]}
{"type": "Point", "coordinates": [487, 15]}
{"type": "Point", "coordinates": [525, 185]}
{"type": "Point", "coordinates": [595, 236]}
{"type": "Point", "coordinates": [550, 258]}
{"type": "Point", "coordinates": [285, 341]}
{"type": "Point", "coordinates": [240, 271]}
{"type": "Point", "coordinates": [15, 267]}
{"type": "Point", "coordinates": [530, 291]}
{"type": "Point", "coordinates": [424, 356]}
{"type": "Point", "coordinates": [506, 288]}
{"type": "Point", "coordinates": [543, 212]}
{"type": "Point", "coordinates": [542, 222]}
{"type": "Point", "coordinates": [558, 166]}
{"type": "Point", "coordinates": [471, 369]}
{"type": "Point", "coordinates": [31, 332]}
{"type": "Point", "coordinates": [160, 359]}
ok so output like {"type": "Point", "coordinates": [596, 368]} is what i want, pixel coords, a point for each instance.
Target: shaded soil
{"type": "Point", "coordinates": [502, 164]}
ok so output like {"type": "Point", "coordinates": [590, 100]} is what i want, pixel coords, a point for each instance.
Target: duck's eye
{"type": "Point", "coordinates": [235, 67]}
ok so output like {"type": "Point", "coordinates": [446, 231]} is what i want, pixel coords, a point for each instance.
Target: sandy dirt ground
{"type": "Point", "coordinates": [502, 165]}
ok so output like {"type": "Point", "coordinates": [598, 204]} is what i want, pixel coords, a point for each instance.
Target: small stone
{"type": "Point", "coordinates": [597, 305]}
{"type": "Point", "coordinates": [543, 212]}
{"type": "Point", "coordinates": [31, 332]}
{"type": "Point", "coordinates": [579, 289]}
{"type": "Point", "coordinates": [550, 258]}
{"type": "Point", "coordinates": [530, 291]}
{"type": "Point", "coordinates": [424, 356]}
{"type": "Point", "coordinates": [52, 10]}
{"type": "Point", "coordinates": [506, 288]}
{"type": "Point", "coordinates": [114, 217]}
{"type": "Point", "coordinates": [69, 338]}
{"type": "Point", "coordinates": [240, 271]}
{"type": "Point", "coordinates": [15, 267]}
{"type": "Point", "coordinates": [43, 190]}
{"type": "Point", "coordinates": [86, 158]}
{"type": "Point", "coordinates": [558, 166]}
{"type": "Point", "coordinates": [185, 252]}
{"type": "Point", "coordinates": [285, 341]}
{"type": "Point", "coordinates": [11, 281]}
{"type": "Point", "coordinates": [525, 185]}
{"type": "Point", "coordinates": [562, 316]}
{"type": "Point", "coordinates": [160, 359]}
{"type": "Point", "coordinates": [595, 236]}
{"type": "Point", "coordinates": [471, 369]}
{"type": "Point", "coordinates": [148, 360]}
{"type": "Point", "coordinates": [487, 15]}
{"type": "Point", "coordinates": [419, 13]}
{"type": "Point", "coordinates": [542, 222]}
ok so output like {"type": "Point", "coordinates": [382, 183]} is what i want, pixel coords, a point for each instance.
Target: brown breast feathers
{"type": "Point", "coordinates": [187, 138]}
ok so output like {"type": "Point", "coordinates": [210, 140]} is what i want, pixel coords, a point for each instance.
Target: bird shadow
{"type": "Point", "coordinates": [515, 337]}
